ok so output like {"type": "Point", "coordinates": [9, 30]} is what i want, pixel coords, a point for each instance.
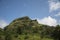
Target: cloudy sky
{"type": "Point", "coordinates": [45, 11]}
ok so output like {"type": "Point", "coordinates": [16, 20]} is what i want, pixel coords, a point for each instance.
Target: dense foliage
{"type": "Point", "coordinates": [26, 29]}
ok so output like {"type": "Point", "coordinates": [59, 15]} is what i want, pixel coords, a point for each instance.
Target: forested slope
{"type": "Point", "coordinates": [25, 28]}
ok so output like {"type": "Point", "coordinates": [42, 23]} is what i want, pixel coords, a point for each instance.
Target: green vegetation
{"type": "Point", "coordinates": [26, 29]}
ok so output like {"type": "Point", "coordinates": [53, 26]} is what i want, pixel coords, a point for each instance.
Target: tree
{"type": "Point", "coordinates": [56, 33]}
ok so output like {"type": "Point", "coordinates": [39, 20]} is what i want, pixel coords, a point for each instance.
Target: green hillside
{"type": "Point", "coordinates": [25, 28]}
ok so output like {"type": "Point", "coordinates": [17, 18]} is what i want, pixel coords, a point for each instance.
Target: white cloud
{"type": "Point", "coordinates": [3, 23]}
{"type": "Point", "coordinates": [58, 14]}
{"type": "Point", "coordinates": [48, 21]}
{"type": "Point", "coordinates": [53, 5]}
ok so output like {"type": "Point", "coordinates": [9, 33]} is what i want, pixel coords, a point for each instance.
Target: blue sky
{"type": "Point", "coordinates": [39, 9]}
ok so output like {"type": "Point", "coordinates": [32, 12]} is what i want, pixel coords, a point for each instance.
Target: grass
{"type": "Point", "coordinates": [31, 37]}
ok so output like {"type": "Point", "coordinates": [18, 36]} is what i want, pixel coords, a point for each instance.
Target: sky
{"type": "Point", "coordinates": [45, 11]}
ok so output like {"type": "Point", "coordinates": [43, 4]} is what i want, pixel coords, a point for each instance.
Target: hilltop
{"type": "Point", "coordinates": [25, 28]}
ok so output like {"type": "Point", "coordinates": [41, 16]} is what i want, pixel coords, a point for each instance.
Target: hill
{"type": "Point", "coordinates": [25, 28]}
